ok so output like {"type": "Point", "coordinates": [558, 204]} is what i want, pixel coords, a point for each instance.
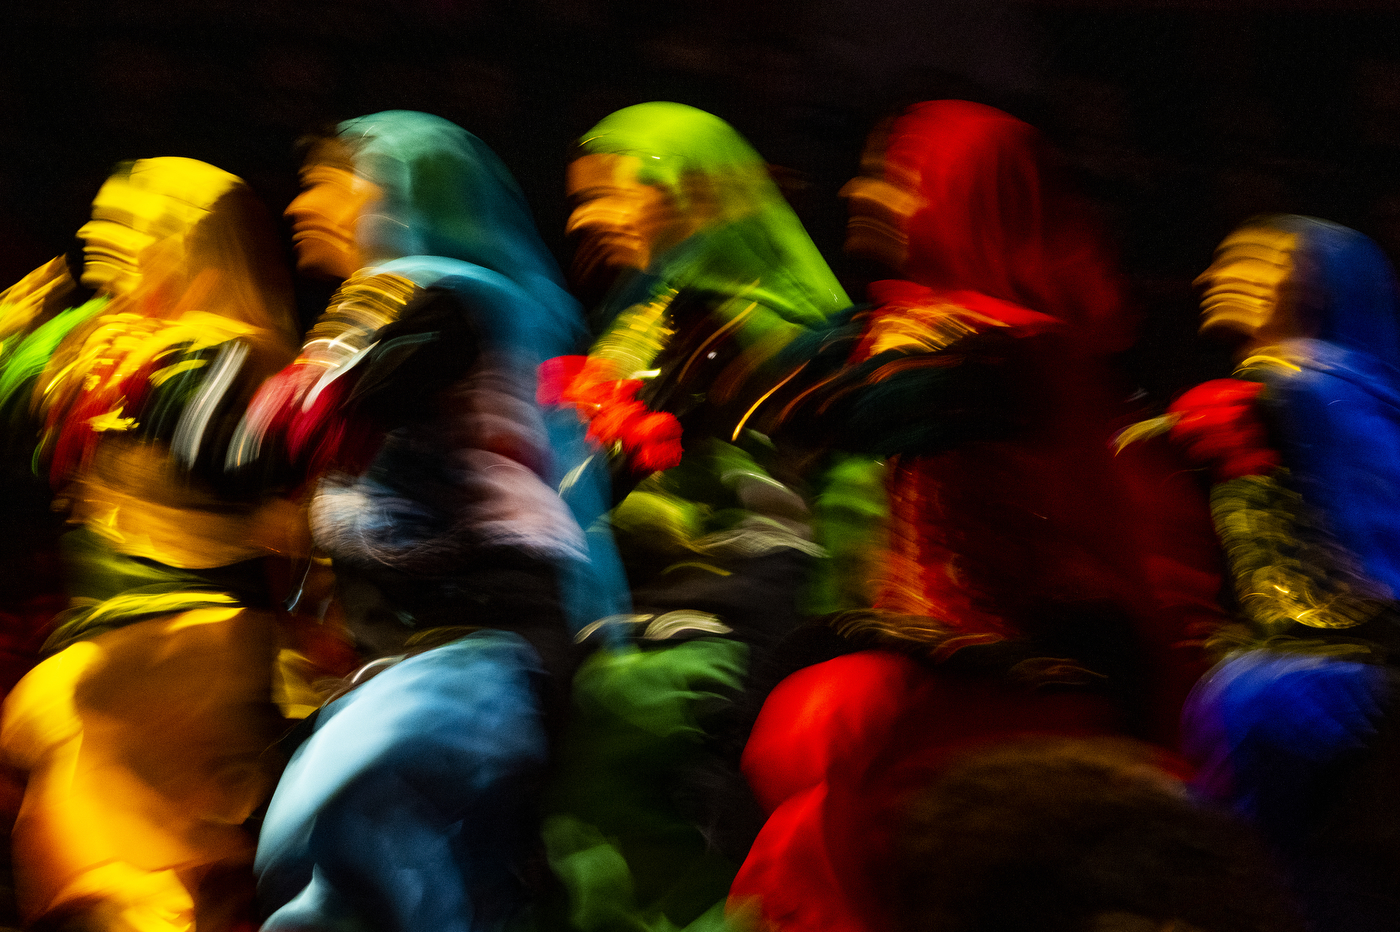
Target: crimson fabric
{"type": "Point", "coordinates": [836, 753]}
{"type": "Point", "coordinates": [1220, 427]}
{"type": "Point", "coordinates": [997, 218]}
{"type": "Point", "coordinates": [985, 535]}
{"type": "Point", "coordinates": [1030, 537]}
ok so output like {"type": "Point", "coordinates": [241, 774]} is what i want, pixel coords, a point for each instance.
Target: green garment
{"type": "Point", "coordinates": [24, 359]}
{"type": "Point", "coordinates": [615, 836]}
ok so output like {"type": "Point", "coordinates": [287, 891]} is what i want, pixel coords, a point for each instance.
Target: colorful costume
{"type": "Point", "coordinates": [649, 815]}
{"type": "Point", "coordinates": [1295, 727]}
{"type": "Point", "coordinates": [409, 804]}
{"type": "Point", "coordinates": [145, 735]}
{"type": "Point", "coordinates": [1022, 555]}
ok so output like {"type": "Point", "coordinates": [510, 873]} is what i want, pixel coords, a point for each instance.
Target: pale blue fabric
{"type": "Point", "coordinates": [409, 806]}
{"type": "Point", "coordinates": [405, 808]}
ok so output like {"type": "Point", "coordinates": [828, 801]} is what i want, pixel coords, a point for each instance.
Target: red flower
{"type": "Point", "coordinates": [655, 440]}
{"type": "Point", "coordinates": [555, 377]}
{"type": "Point", "coordinates": [609, 425]}
{"type": "Point", "coordinates": [1220, 427]}
{"type": "Point", "coordinates": [651, 440]}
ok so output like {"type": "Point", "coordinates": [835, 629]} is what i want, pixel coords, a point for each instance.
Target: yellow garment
{"type": "Point", "coordinates": [146, 751]}
{"type": "Point", "coordinates": [26, 301]}
{"type": "Point", "coordinates": [145, 748]}
{"type": "Point", "coordinates": [138, 501]}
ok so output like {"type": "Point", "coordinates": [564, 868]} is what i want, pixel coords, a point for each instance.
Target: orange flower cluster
{"type": "Point", "coordinates": [616, 418]}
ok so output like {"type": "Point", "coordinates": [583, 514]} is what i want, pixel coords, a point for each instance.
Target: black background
{"type": "Point", "coordinates": [1183, 119]}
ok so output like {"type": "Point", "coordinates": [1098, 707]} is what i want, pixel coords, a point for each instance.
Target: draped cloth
{"type": "Point", "coordinates": [1037, 516]}
{"type": "Point", "coordinates": [837, 752]}
{"type": "Point", "coordinates": [757, 246]}
{"type": "Point", "coordinates": [145, 736]}
{"type": "Point", "coordinates": [453, 224]}
{"type": "Point", "coordinates": [1014, 534]}
{"type": "Point", "coordinates": [984, 374]}
{"type": "Point", "coordinates": [404, 808]}
{"type": "Point", "coordinates": [731, 279]}
{"type": "Point", "coordinates": [629, 831]}
{"type": "Point", "coordinates": [1296, 731]}
{"type": "Point", "coordinates": [1335, 403]}
{"type": "Point", "coordinates": [409, 803]}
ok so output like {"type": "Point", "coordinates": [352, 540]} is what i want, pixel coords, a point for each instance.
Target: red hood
{"type": "Point", "coordinates": [999, 220]}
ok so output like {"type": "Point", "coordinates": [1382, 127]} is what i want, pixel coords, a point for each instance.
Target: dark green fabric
{"type": "Point", "coordinates": [615, 833]}
{"type": "Point", "coordinates": [109, 590]}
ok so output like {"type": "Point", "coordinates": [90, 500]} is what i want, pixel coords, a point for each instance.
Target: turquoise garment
{"type": "Point", "coordinates": [446, 195]}
{"type": "Point", "coordinates": [410, 807]}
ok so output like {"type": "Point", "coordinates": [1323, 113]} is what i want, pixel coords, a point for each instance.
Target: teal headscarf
{"type": "Point", "coordinates": [756, 245]}
{"type": "Point", "coordinates": [450, 214]}
{"type": "Point", "coordinates": [447, 196]}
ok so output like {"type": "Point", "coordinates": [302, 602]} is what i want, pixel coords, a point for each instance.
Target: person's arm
{"type": "Point", "coordinates": [882, 381]}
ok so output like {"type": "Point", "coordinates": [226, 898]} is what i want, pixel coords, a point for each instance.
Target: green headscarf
{"type": "Point", "coordinates": [757, 246]}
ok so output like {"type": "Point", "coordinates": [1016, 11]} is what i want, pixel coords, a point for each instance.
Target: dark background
{"type": "Point", "coordinates": [1183, 119]}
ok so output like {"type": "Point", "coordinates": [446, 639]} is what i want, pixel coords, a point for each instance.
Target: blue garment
{"type": "Point", "coordinates": [455, 219]}
{"type": "Point", "coordinates": [1337, 416]}
{"type": "Point", "coordinates": [1337, 423]}
{"type": "Point", "coordinates": [410, 805]}
{"type": "Point", "coordinates": [1262, 725]}
{"type": "Point", "coordinates": [1286, 737]}
{"type": "Point", "coordinates": [404, 808]}
{"type": "Point", "coordinates": [1263, 721]}
{"type": "Point", "coordinates": [532, 327]}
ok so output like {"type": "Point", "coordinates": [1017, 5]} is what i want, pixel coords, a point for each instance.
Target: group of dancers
{"type": "Point", "coordinates": [725, 602]}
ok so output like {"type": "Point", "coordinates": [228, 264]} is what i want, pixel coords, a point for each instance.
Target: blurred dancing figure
{"type": "Point", "coordinates": [709, 275]}
{"type": "Point", "coordinates": [705, 273]}
{"type": "Point", "coordinates": [461, 568]}
{"type": "Point", "coordinates": [983, 370]}
{"type": "Point", "coordinates": [1032, 583]}
{"type": "Point", "coordinates": [1296, 726]}
{"type": "Point", "coordinates": [144, 735]}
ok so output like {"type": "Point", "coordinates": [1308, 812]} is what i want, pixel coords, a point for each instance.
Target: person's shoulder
{"type": "Point", "coordinates": [1308, 365]}
{"type": "Point", "coordinates": [437, 271]}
